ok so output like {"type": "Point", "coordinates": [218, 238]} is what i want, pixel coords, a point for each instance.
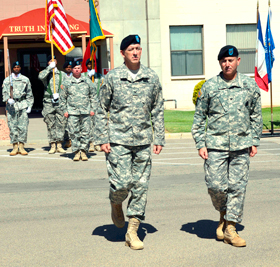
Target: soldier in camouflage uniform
{"type": "Point", "coordinates": [232, 103]}
{"type": "Point", "coordinates": [18, 106]}
{"type": "Point", "coordinates": [98, 79]}
{"type": "Point", "coordinates": [52, 113]}
{"type": "Point", "coordinates": [78, 103]}
{"type": "Point", "coordinates": [132, 97]}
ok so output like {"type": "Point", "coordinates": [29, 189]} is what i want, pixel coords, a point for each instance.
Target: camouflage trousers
{"type": "Point", "coordinates": [92, 126]}
{"type": "Point", "coordinates": [79, 128]}
{"type": "Point", "coordinates": [129, 170]}
{"type": "Point", "coordinates": [226, 176]}
{"type": "Point", "coordinates": [18, 125]}
{"type": "Point", "coordinates": [56, 122]}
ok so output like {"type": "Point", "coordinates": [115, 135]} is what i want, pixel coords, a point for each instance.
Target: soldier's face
{"type": "Point", "coordinates": [89, 66]}
{"type": "Point", "coordinates": [51, 61]}
{"type": "Point", "coordinates": [229, 66]}
{"type": "Point", "coordinates": [132, 54]}
{"type": "Point", "coordinates": [16, 69]}
{"type": "Point", "coordinates": [68, 69]}
{"type": "Point", "coordinates": [77, 71]}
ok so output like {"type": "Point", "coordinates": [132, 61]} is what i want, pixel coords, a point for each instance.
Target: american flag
{"type": "Point", "coordinates": [57, 27]}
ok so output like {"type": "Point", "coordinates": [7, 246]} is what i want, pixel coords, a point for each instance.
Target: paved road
{"type": "Point", "coordinates": [55, 212]}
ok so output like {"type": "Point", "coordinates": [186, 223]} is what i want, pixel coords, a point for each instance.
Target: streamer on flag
{"type": "Point", "coordinates": [96, 32]}
{"type": "Point", "coordinates": [57, 27]}
{"type": "Point", "coordinates": [261, 76]}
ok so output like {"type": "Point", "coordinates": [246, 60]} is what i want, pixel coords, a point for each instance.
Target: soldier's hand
{"type": "Point", "coordinates": [28, 110]}
{"type": "Point", "coordinates": [11, 101]}
{"type": "Point", "coordinates": [91, 73]}
{"type": "Point", "coordinates": [106, 148]}
{"type": "Point", "coordinates": [66, 114]}
{"type": "Point", "coordinates": [157, 149]}
{"type": "Point", "coordinates": [203, 153]}
{"type": "Point", "coordinates": [55, 96]}
{"type": "Point", "coordinates": [91, 113]}
{"type": "Point", "coordinates": [253, 151]}
{"type": "Point", "coordinates": [52, 65]}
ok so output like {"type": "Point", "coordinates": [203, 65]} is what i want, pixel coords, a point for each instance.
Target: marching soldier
{"type": "Point", "coordinates": [132, 96]}
{"type": "Point", "coordinates": [232, 103]}
{"type": "Point", "coordinates": [98, 80]}
{"type": "Point", "coordinates": [18, 94]}
{"type": "Point", "coordinates": [52, 113]}
{"type": "Point", "coordinates": [78, 103]}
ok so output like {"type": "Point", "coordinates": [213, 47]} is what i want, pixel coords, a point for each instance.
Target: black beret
{"type": "Point", "coordinates": [76, 63]}
{"type": "Point", "coordinates": [228, 51]}
{"type": "Point", "coordinates": [130, 39]}
{"type": "Point", "coordinates": [15, 64]}
{"type": "Point", "coordinates": [50, 57]}
{"type": "Point", "coordinates": [88, 61]}
{"type": "Point", "coordinates": [66, 64]}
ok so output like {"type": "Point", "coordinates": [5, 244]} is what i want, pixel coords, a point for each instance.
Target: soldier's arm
{"type": "Point", "coordinates": [6, 90]}
{"type": "Point", "coordinates": [199, 120]}
{"type": "Point", "coordinates": [44, 74]}
{"type": "Point", "coordinates": [100, 130]}
{"type": "Point", "coordinates": [256, 122]}
{"type": "Point", "coordinates": [63, 97]}
{"type": "Point", "coordinates": [29, 95]}
{"type": "Point", "coordinates": [157, 115]}
{"type": "Point", "coordinates": [92, 96]}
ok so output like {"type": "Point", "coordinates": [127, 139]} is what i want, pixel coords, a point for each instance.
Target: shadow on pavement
{"type": "Point", "coordinates": [114, 234]}
{"type": "Point", "coordinates": [28, 149]}
{"type": "Point", "coordinates": [205, 228]}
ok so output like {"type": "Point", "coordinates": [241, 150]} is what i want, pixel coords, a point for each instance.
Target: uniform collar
{"type": "Point", "coordinates": [237, 82]}
{"type": "Point", "coordinates": [142, 73]}
{"type": "Point", "coordinates": [77, 80]}
{"type": "Point", "coordinates": [15, 76]}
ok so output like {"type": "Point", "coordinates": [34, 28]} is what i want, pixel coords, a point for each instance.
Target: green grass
{"type": "Point", "coordinates": [181, 121]}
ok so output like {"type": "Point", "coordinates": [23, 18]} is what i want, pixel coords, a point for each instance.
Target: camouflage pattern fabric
{"type": "Point", "coordinates": [132, 105]}
{"type": "Point", "coordinates": [52, 113]}
{"type": "Point", "coordinates": [79, 98]}
{"type": "Point", "coordinates": [79, 129]}
{"type": "Point", "coordinates": [16, 113]}
{"type": "Point", "coordinates": [233, 111]}
{"type": "Point", "coordinates": [226, 176]}
{"type": "Point", "coordinates": [129, 170]}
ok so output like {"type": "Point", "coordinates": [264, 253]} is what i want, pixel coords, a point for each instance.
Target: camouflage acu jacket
{"type": "Point", "coordinates": [22, 92]}
{"type": "Point", "coordinates": [46, 76]}
{"type": "Point", "coordinates": [132, 105]}
{"type": "Point", "coordinates": [233, 111]}
{"type": "Point", "coordinates": [78, 96]}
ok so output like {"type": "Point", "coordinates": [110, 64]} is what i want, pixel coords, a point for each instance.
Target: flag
{"type": "Point", "coordinates": [261, 76]}
{"type": "Point", "coordinates": [269, 47]}
{"type": "Point", "coordinates": [34, 62]}
{"type": "Point", "coordinates": [87, 55]}
{"type": "Point", "coordinates": [57, 27]}
{"type": "Point", "coordinates": [96, 32]}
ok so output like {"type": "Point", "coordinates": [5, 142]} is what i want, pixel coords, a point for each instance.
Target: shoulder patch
{"type": "Point", "coordinates": [61, 86]}
{"type": "Point", "coordinates": [199, 94]}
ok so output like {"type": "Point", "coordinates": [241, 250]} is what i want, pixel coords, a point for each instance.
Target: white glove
{"type": "Point", "coordinates": [52, 65]}
{"type": "Point", "coordinates": [91, 73]}
{"type": "Point", "coordinates": [28, 110]}
{"type": "Point", "coordinates": [11, 101]}
{"type": "Point", "coordinates": [55, 96]}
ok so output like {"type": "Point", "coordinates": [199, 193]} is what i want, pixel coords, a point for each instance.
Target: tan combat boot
{"type": "Point", "coordinates": [222, 226]}
{"type": "Point", "coordinates": [77, 156]}
{"type": "Point", "coordinates": [68, 144]}
{"type": "Point", "coordinates": [59, 148]}
{"type": "Point", "coordinates": [131, 238]}
{"type": "Point", "coordinates": [84, 155]}
{"type": "Point", "coordinates": [91, 147]}
{"type": "Point", "coordinates": [231, 237]}
{"type": "Point", "coordinates": [117, 215]}
{"type": "Point", "coordinates": [53, 148]}
{"type": "Point", "coordinates": [21, 149]}
{"type": "Point", "coordinates": [15, 149]}
{"type": "Point", "coordinates": [98, 148]}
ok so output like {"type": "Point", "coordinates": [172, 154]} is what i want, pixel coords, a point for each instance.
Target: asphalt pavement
{"type": "Point", "coordinates": [56, 212]}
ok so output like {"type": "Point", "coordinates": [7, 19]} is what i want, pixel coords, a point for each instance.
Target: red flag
{"type": "Point", "coordinates": [86, 57]}
{"type": "Point", "coordinates": [57, 27]}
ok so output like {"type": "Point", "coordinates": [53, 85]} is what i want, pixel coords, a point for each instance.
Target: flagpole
{"type": "Point", "coordinates": [54, 91]}
{"type": "Point", "coordinates": [271, 104]}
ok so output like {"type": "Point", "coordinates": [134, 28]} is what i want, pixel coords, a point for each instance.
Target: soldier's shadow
{"type": "Point", "coordinates": [114, 234]}
{"type": "Point", "coordinates": [71, 155]}
{"type": "Point", "coordinates": [28, 149]}
{"type": "Point", "coordinates": [204, 228]}
{"type": "Point", "coordinates": [46, 148]}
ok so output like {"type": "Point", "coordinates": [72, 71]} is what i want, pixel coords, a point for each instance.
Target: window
{"type": "Point", "coordinates": [186, 50]}
{"type": "Point", "coordinates": [243, 36]}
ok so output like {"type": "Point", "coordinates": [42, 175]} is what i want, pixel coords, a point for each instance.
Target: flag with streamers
{"type": "Point", "coordinates": [96, 32]}
{"type": "Point", "coordinates": [269, 47]}
{"type": "Point", "coordinates": [261, 77]}
{"type": "Point", "coordinates": [57, 28]}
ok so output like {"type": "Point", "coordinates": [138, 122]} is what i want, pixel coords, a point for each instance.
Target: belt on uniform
{"type": "Point", "coordinates": [20, 99]}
